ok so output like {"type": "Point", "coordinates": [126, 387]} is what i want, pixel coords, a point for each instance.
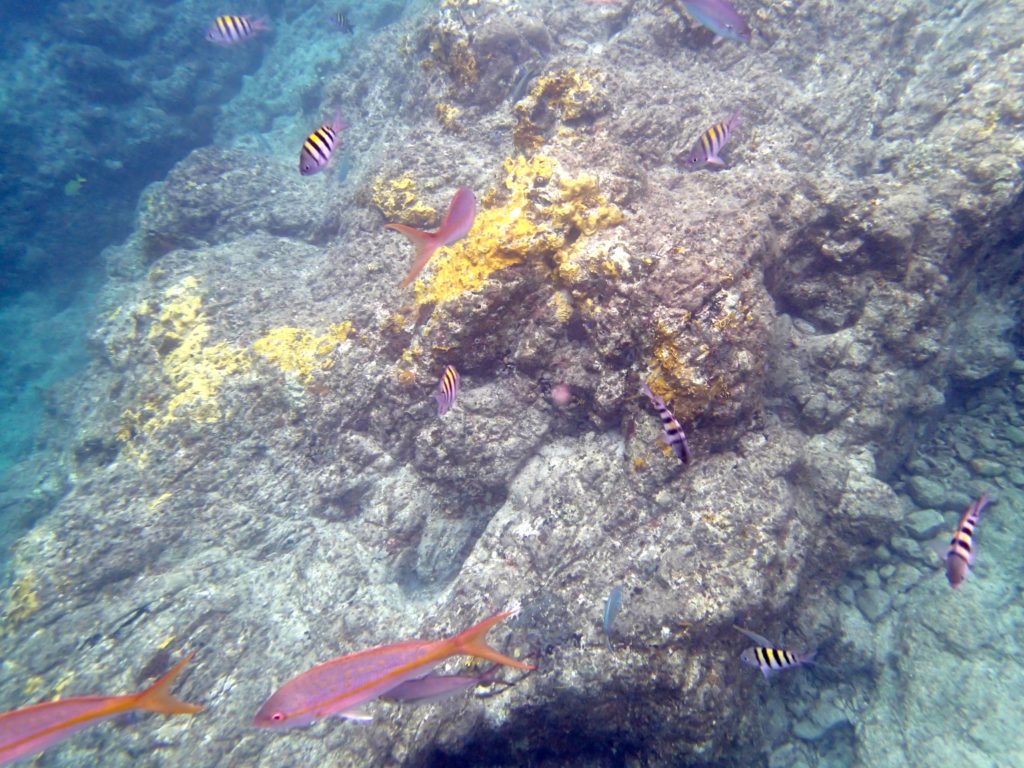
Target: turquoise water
{"type": "Point", "coordinates": [221, 434]}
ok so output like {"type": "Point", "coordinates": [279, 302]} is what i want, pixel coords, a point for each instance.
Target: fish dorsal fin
{"type": "Point", "coordinates": [760, 640]}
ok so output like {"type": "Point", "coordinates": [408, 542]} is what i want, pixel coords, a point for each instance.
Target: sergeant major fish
{"type": "Point", "coordinates": [447, 389]}
{"type": "Point", "coordinates": [720, 17]}
{"type": "Point", "coordinates": [232, 30]}
{"type": "Point", "coordinates": [673, 436]}
{"type": "Point", "coordinates": [769, 659]}
{"type": "Point", "coordinates": [959, 557]}
{"type": "Point", "coordinates": [320, 145]}
{"type": "Point", "coordinates": [710, 143]}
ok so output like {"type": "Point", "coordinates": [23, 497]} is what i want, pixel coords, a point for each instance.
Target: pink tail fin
{"type": "Point", "coordinates": [424, 242]}
{"type": "Point", "coordinates": [473, 642]}
{"type": "Point", "coordinates": [158, 698]}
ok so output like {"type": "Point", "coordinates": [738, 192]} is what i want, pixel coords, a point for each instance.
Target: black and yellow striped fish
{"type": "Point", "coordinates": [447, 390]}
{"type": "Point", "coordinates": [711, 142]}
{"type": "Point", "coordinates": [231, 30]}
{"type": "Point", "coordinates": [769, 659]}
{"type": "Point", "coordinates": [319, 146]}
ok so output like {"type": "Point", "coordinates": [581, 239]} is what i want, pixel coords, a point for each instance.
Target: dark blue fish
{"type": "Point", "coordinates": [720, 17]}
{"type": "Point", "coordinates": [341, 22]}
{"type": "Point", "coordinates": [611, 610]}
{"type": "Point", "coordinates": [673, 435]}
{"type": "Point", "coordinates": [711, 142]}
{"type": "Point", "coordinates": [447, 390]}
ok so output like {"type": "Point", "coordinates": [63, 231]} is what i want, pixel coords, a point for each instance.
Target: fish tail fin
{"type": "Point", "coordinates": [473, 642]}
{"type": "Point", "coordinates": [425, 244]}
{"type": "Point", "coordinates": [733, 121]}
{"type": "Point", "coordinates": [808, 658]}
{"type": "Point", "coordinates": [338, 124]}
{"type": "Point", "coordinates": [260, 24]}
{"type": "Point", "coordinates": [158, 698]}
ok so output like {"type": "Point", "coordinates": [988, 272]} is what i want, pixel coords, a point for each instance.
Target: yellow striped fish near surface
{"type": "Point", "coordinates": [320, 145]}
{"type": "Point", "coordinates": [711, 142]}
{"type": "Point", "coordinates": [769, 659]}
{"type": "Point", "coordinates": [231, 30]}
{"type": "Point", "coordinates": [447, 390]}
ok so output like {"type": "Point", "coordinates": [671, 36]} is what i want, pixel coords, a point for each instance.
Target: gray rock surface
{"type": "Point", "coordinates": [261, 475]}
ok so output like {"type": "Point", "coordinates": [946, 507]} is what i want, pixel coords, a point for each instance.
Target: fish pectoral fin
{"type": "Point", "coordinates": [357, 714]}
{"type": "Point", "coordinates": [762, 641]}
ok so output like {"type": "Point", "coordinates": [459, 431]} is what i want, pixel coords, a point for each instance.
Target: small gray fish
{"type": "Point", "coordinates": [711, 142]}
{"type": "Point", "coordinates": [611, 610]}
{"type": "Point", "coordinates": [447, 390]}
{"type": "Point", "coordinates": [769, 659]}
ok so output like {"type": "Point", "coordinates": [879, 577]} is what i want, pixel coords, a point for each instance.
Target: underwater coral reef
{"type": "Point", "coordinates": [252, 466]}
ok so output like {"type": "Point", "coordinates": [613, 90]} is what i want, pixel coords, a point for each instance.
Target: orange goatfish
{"type": "Point", "coordinates": [457, 223]}
{"type": "Point", "coordinates": [32, 729]}
{"type": "Point", "coordinates": [339, 686]}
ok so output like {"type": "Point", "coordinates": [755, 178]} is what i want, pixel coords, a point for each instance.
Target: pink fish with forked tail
{"type": "Point", "coordinates": [456, 225]}
{"type": "Point", "coordinates": [29, 730]}
{"type": "Point", "coordinates": [341, 685]}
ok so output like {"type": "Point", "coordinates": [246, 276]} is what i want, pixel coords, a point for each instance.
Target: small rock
{"type": "Point", "coordinates": [886, 571]}
{"type": "Point", "coordinates": [846, 594]}
{"type": "Point", "coordinates": [987, 467]}
{"type": "Point", "coordinates": [908, 548]}
{"type": "Point", "coordinates": [963, 450]}
{"type": "Point", "coordinates": [1018, 365]}
{"type": "Point", "coordinates": [1015, 435]}
{"type": "Point", "coordinates": [1018, 393]}
{"type": "Point", "coordinates": [787, 756]}
{"type": "Point", "coordinates": [1015, 476]}
{"type": "Point", "coordinates": [873, 603]}
{"type": "Point", "coordinates": [822, 719]}
{"type": "Point", "coordinates": [924, 523]}
{"type": "Point", "coordinates": [926, 492]}
{"type": "Point", "coordinates": [872, 580]}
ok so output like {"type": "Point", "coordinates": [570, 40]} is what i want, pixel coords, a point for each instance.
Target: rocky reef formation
{"type": "Point", "coordinates": [259, 474]}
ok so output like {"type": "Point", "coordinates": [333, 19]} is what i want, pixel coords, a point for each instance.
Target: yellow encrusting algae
{"type": "Point", "coordinates": [299, 351]}
{"type": "Point", "coordinates": [398, 201]}
{"type": "Point", "coordinates": [195, 369]}
{"type": "Point", "coordinates": [542, 210]}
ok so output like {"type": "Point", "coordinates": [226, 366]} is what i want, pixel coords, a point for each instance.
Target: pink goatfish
{"type": "Point", "coordinates": [959, 556]}
{"type": "Point", "coordinates": [341, 685]}
{"type": "Point", "coordinates": [29, 730]}
{"type": "Point", "coordinates": [456, 225]}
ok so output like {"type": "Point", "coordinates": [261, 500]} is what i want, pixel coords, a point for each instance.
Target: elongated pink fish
{"type": "Point", "coordinates": [339, 686]}
{"type": "Point", "coordinates": [29, 730]}
{"type": "Point", "coordinates": [456, 225]}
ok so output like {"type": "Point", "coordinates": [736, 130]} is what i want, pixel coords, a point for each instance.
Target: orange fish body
{"type": "Point", "coordinates": [340, 685]}
{"type": "Point", "coordinates": [30, 730]}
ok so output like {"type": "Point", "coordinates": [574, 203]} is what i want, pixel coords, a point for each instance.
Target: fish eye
{"type": "Point", "coordinates": [277, 717]}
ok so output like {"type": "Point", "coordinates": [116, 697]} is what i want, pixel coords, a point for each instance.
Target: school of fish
{"type": "Point", "coordinates": [404, 672]}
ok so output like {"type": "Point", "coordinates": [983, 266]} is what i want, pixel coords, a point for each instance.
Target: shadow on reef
{"type": "Point", "coordinates": [578, 730]}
